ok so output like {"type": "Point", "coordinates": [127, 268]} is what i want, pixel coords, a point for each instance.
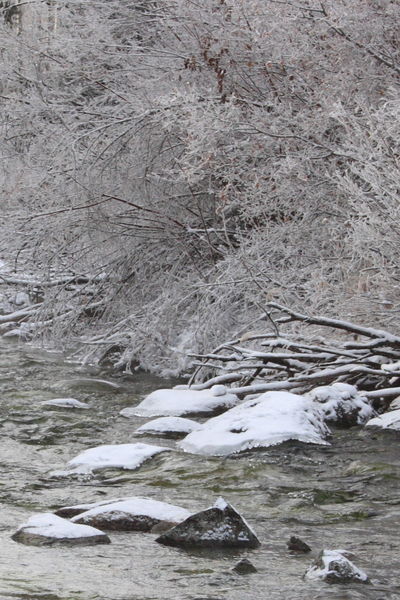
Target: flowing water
{"type": "Point", "coordinates": [346, 495]}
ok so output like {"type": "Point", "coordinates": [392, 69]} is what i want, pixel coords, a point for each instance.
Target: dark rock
{"type": "Point", "coordinates": [218, 526]}
{"type": "Point", "coordinates": [296, 545]}
{"type": "Point", "coordinates": [118, 521]}
{"type": "Point", "coordinates": [244, 567]}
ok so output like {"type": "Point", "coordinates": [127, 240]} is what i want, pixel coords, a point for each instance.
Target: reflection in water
{"type": "Point", "coordinates": [343, 496]}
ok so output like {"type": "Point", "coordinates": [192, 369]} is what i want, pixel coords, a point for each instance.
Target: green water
{"type": "Point", "coordinates": [346, 495]}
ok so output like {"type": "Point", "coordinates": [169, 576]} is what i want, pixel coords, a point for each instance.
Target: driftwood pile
{"type": "Point", "coordinates": [362, 356]}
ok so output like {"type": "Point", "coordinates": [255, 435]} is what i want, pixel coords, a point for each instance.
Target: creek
{"type": "Point", "coordinates": [345, 495]}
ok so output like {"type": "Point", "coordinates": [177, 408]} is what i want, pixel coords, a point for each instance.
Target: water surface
{"type": "Point", "coordinates": [346, 495]}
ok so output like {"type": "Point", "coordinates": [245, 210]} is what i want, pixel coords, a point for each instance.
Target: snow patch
{"type": "Point", "coordinates": [120, 456]}
{"type": "Point", "coordinates": [51, 526]}
{"type": "Point", "coordinates": [169, 425]}
{"type": "Point", "coordinates": [65, 403]}
{"type": "Point", "coordinates": [389, 420]}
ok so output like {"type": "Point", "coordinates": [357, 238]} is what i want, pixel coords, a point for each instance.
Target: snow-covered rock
{"type": "Point", "coordinates": [389, 420]}
{"type": "Point", "coordinates": [133, 514]}
{"type": "Point", "coordinates": [168, 427]}
{"type": "Point", "coordinates": [395, 404]}
{"type": "Point", "coordinates": [176, 403]}
{"type": "Point", "coordinates": [220, 525]}
{"type": "Point", "coordinates": [119, 456]}
{"type": "Point", "coordinates": [333, 566]}
{"type": "Point", "coordinates": [76, 509]}
{"type": "Point", "coordinates": [65, 403]}
{"type": "Point", "coordinates": [271, 419]}
{"type": "Point", "coordinates": [343, 404]}
{"type": "Point", "coordinates": [46, 528]}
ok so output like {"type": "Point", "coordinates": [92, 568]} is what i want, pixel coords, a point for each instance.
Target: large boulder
{"type": "Point", "coordinates": [333, 566]}
{"type": "Point", "coordinates": [119, 456]}
{"type": "Point", "coordinates": [271, 419]}
{"type": "Point", "coordinates": [218, 526]}
{"type": "Point", "coordinates": [178, 403]}
{"type": "Point", "coordinates": [133, 514]}
{"type": "Point", "coordinates": [46, 529]}
{"type": "Point", "coordinates": [342, 404]}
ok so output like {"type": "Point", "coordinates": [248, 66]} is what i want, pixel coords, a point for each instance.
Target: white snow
{"type": "Point", "coordinates": [341, 399]}
{"type": "Point", "coordinates": [49, 525]}
{"type": "Point", "coordinates": [389, 367]}
{"type": "Point", "coordinates": [345, 566]}
{"type": "Point", "coordinates": [273, 418]}
{"type": "Point", "coordinates": [65, 403]}
{"type": "Point", "coordinates": [176, 403]}
{"type": "Point", "coordinates": [122, 456]}
{"type": "Point", "coordinates": [221, 504]}
{"type": "Point", "coordinates": [169, 425]}
{"type": "Point", "coordinates": [389, 420]}
{"type": "Point", "coordinates": [138, 507]}
{"type": "Point", "coordinates": [395, 404]}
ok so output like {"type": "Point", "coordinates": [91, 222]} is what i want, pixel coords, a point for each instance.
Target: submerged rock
{"type": "Point", "coordinates": [218, 526]}
{"type": "Point", "coordinates": [297, 546]}
{"type": "Point", "coordinates": [177, 403]}
{"type": "Point", "coordinates": [172, 427]}
{"type": "Point", "coordinates": [333, 566]}
{"type": "Point", "coordinates": [244, 567]}
{"type": "Point", "coordinates": [64, 403]}
{"type": "Point", "coordinates": [46, 529]}
{"type": "Point", "coordinates": [133, 514]}
{"type": "Point", "coordinates": [342, 404]}
{"type": "Point", "coordinates": [271, 419]}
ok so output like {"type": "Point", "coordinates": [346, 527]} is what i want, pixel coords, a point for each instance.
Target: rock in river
{"type": "Point", "coordinates": [172, 427]}
{"type": "Point", "coordinates": [46, 529]}
{"type": "Point", "coordinates": [177, 403]}
{"type": "Point", "coordinates": [333, 566]}
{"type": "Point", "coordinates": [271, 419]}
{"type": "Point", "coordinates": [218, 526]}
{"type": "Point", "coordinates": [64, 403]}
{"type": "Point", "coordinates": [133, 514]}
{"type": "Point", "coordinates": [118, 456]}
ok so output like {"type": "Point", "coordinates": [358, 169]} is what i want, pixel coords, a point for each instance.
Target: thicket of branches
{"type": "Point", "coordinates": [191, 162]}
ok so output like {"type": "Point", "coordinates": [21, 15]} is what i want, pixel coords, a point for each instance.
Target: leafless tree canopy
{"type": "Point", "coordinates": [171, 167]}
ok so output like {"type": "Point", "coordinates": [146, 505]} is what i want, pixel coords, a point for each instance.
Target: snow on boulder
{"type": "Point", "coordinates": [343, 404]}
{"type": "Point", "coordinates": [395, 404]}
{"type": "Point", "coordinates": [221, 525]}
{"type": "Point", "coordinates": [119, 456]}
{"type": "Point", "coordinates": [271, 419]}
{"type": "Point", "coordinates": [333, 566]}
{"type": "Point", "coordinates": [64, 403]}
{"type": "Point", "coordinates": [169, 427]}
{"type": "Point", "coordinates": [71, 511]}
{"type": "Point", "coordinates": [176, 403]}
{"type": "Point", "coordinates": [46, 528]}
{"type": "Point", "coordinates": [389, 420]}
{"type": "Point", "coordinates": [133, 514]}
